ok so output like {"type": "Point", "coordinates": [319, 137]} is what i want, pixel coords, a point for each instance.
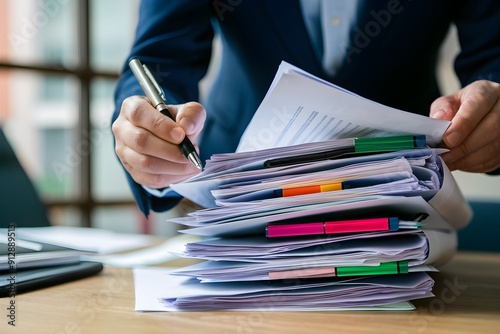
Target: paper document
{"type": "Point", "coordinates": [332, 201]}
{"type": "Point", "coordinates": [153, 284]}
{"type": "Point", "coordinates": [300, 108]}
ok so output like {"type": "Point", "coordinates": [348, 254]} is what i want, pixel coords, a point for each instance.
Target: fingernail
{"type": "Point", "coordinates": [440, 114]}
{"type": "Point", "coordinates": [177, 134]}
{"type": "Point", "coordinates": [452, 139]}
{"type": "Point", "coordinates": [187, 125]}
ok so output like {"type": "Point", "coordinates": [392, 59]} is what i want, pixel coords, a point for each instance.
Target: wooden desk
{"type": "Point", "coordinates": [467, 301]}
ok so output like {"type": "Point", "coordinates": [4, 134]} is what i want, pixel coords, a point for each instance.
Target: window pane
{"type": "Point", "coordinates": [40, 125]}
{"type": "Point", "coordinates": [127, 219]}
{"type": "Point", "coordinates": [112, 28]}
{"type": "Point", "coordinates": [41, 32]}
{"type": "Point", "coordinates": [108, 177]}
{"type": "Point", "coordinates": [65, 216]}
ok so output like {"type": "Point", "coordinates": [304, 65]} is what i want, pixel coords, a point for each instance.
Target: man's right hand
{"type": "Point", "coordinates": [147, 141]}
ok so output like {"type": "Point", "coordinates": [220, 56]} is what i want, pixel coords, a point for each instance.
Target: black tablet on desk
{"type": "Point", "coordinates": [12, 282]}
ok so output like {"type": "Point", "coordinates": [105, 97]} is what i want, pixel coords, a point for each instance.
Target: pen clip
{"type": "Point", "coordinates": [153, 81]}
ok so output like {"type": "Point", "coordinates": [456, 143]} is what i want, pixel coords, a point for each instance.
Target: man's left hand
{"type": "Point", "coordinates": [474, 134]}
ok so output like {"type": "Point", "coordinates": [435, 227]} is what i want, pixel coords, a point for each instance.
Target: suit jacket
{"type": "Point", "coordinates": [391, 58]}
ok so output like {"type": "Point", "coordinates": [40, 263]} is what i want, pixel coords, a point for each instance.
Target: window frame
{"type": "Point", "coordinates": [84, 74]}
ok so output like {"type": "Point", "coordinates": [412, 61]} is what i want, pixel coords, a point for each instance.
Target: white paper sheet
{"type": "Point", "coordinates": [152, 284]}
{"type": "Point", "coordinates": [240, 193]}
{"type": "Point", "coordinates": [87, 239]}
{"type": "Point", "coordinates": [405, 205]}
{"type": "Point", "coordinates": [302, 108]}
{"type": "Point", "coordinates": [199, 189]}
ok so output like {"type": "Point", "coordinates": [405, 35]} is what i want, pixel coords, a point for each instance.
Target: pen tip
{"type": "Point", "coordinates": [195, 160]}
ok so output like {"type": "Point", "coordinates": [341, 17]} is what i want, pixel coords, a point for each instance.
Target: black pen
{"type": "Point", "coordinates": [359, 146]}
{"type": "Point", "coordinates": [155, 94]}
{"type": "Point", "coordinates": [310, 157]}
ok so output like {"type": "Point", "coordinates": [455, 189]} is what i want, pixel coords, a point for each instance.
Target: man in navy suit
{"type": "Point", "coordinates": [384, 50]}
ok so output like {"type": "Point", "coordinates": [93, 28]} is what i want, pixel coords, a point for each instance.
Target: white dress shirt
{"type": "Point", "coordinates": [328, 23]}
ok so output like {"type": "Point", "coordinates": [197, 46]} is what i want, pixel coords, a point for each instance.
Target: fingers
{"type": "Point", "coordinates": [476, 101]}
{"type": "Point", "coordinates": [480, 151]}
{"type": "Point", "coordinates": [140, 113]}
{"type": "Point", "coordinates": [484, 160]}
{"type": "Point", "coordinates": [444, 108]}
{"type": "Point", "coordinates": [151, 162]}
{"type": "Point", "coordinates": [473, 136]}
{"type": "Point", "coordinates": [146, 141]}
{"type": "Point", "coordinates": [150, 171]}
{"type": "Point", "coordinates": [190, 116]}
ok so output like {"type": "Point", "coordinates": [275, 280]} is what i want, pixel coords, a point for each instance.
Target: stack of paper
{"type": "Point", "coordinates": [31, 263]}
{"type": "Point", "coordinates": [293, 227]}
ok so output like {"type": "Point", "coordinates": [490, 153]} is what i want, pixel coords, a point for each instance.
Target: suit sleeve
{"type": "Point", "coordinates": [478, 27]}
{"type": "Point", "coordinates": [174, 38]}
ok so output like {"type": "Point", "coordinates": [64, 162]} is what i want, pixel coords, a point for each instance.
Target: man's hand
{"type": "Point", "coordinates": [474, 134]}
{"type": "Point", "coordinates": [147, 141]}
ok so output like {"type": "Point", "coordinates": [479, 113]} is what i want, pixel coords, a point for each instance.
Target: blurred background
{"type": "Point", "coordinates": [59, 60]}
